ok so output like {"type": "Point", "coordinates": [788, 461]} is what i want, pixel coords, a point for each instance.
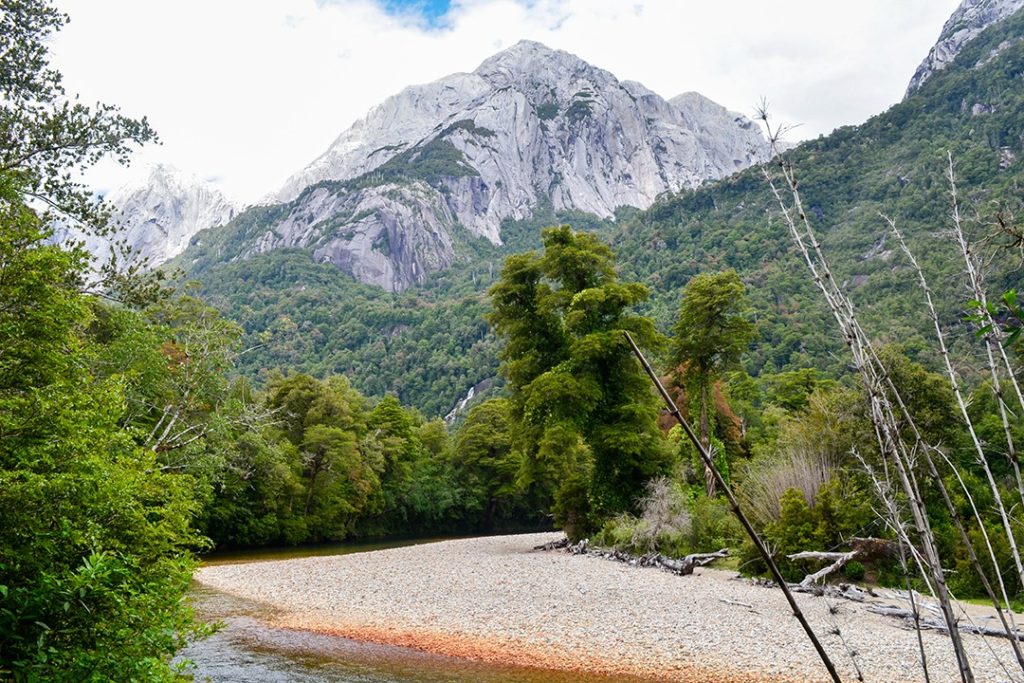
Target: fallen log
{"type": "Point", "coordinates": [680, 566]}
{"type": "Point", "coordinates": [562, 542]}
{"type": "Point", "coordinates": [908, 617]}
{"type": "Point", "coordinates": [839, 561]}
{"type": "Point", "coordinates": [862, 550]}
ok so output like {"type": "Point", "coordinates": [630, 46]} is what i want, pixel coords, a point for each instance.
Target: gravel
{"type": "Point", "coordinates": [497, 599]}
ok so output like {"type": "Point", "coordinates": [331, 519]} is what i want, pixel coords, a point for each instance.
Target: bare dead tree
{"type": "Point", "coordinates": [999, 605]}
{"type": "Point", "coordinates": [884, 404]}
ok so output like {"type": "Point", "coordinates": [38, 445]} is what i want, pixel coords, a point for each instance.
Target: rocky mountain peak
{"type": "Point", "coordinates": [529, 63]}
{"type": "Point", "coordinates": [970, 18]}
{"type": "Point", "coordinates": [158, 213]}
{"type": "Point", "coordinates": [531, 126]}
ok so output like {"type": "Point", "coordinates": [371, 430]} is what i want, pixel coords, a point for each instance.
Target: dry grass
{"type": "Point", "coordinates": [764, 481]}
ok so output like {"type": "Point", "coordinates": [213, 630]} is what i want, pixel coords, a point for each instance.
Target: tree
{"type": "Point", "coordinates": [94, 545]}
{"type": "Point", "coordinates": [95, 540]}
{"type": "Point", "coordinates": [711, 333]}
{"type": "Point", "coordinates": [584, 416]}
{"type": "Point", "coordinates": [484, 459]}
{"type": "Point", "coordinates": [45, 137]}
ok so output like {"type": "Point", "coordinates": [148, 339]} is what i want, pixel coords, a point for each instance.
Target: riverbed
{"type": "Point", "coordinates": [250, 649]}
{"type": "Point", "coordinates": [498, 600]}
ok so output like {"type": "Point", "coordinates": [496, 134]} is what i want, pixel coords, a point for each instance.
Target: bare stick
{"type": "Point", "coordinates": [979, 450]}
{"type": "Point", "coordinates": [709, 463]}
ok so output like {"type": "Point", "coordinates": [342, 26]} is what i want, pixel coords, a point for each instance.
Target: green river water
{"type": "Point", "coordinates": [248, 650]}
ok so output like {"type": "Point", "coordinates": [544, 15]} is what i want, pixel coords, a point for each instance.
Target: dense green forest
{"type": "Point", "coordinates": [428, 345]}
{"type": "Point", "coordinates": [280, 403]}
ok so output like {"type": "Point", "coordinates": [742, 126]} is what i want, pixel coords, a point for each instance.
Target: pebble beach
{"type": "Point", "coordinates": [497, 599]}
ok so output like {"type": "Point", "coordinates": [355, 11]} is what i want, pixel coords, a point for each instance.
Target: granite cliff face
{"type": "Point", "coordinates": [530, 126]}
{"type": "Point", "coordinates": [970, 18]}
{"type": "Point", "coordinates": [158, 215]}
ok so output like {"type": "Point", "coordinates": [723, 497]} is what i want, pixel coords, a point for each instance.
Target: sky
{"type": "Point", "coordinates": [244, 93]}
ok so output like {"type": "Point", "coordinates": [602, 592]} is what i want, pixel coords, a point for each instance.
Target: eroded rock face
{"type": "Point", "coordinates": [970, 18]}
{"type": "Point", "coordinates": [366, 234]}
{"type": "Point", "coordinates": [159, 215]}
{"type": "Point", "coordinates": [530, 125]}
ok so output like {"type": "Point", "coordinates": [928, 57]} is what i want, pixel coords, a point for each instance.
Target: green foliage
{"type": "Point", "coordinates": [712, 330]}
{"type": "Point", "coordinates": [839, 512]}
{"type": "Point", "coordinates": [323, 463]}
{"type": "Point", "coordinates": [487, 467]}
{"type": "Point", "coordinates": [470, 127]}
{"type": "Point", "coordinates": [95, 539]}
{"type": "Point", "coordinates": [94, 545]}
{"type": "Point", "coordinates": [579, 110]}
{"type": "Point", "coordinates": [426, 350]}
{"type": "Point", "coordinates": [547, 111]}
{"type": "Point", "coordinates": [584, 413]}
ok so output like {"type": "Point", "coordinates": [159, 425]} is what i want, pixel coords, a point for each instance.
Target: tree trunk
{"type": "Point", "coordinates": [709, 476]}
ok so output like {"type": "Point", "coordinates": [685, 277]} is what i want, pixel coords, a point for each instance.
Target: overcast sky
{"type": "Point", "coordinates": [246, 92]}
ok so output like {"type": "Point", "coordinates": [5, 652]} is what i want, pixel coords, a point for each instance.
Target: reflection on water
{"type": "Point", "coordinates": [247, 650]}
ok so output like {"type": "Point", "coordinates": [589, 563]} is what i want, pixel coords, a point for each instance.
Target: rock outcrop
{"type": "Point", "coordinates": [970, 18]}
{"type": "Point", "coordinates": [530, 126]}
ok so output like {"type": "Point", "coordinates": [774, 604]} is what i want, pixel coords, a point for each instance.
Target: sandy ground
{"type": "Point", "coordinates": [497, 599]}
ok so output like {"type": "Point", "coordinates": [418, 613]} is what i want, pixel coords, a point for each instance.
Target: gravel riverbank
{"type": "Point", "coordinates": [498, 600]}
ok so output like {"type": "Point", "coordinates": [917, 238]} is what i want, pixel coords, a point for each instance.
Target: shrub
{"type": "Point", "coordinates": [767, 480]}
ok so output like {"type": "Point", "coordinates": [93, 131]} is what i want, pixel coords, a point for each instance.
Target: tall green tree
{"type": "Point", "coordinates": [711, 333]}
{"type": "Point", "coordinates": [95, 539]}
{"type": "Point", "coordinates": [584, 417]}
{"type": "Point", "coordinates": [94, 542]}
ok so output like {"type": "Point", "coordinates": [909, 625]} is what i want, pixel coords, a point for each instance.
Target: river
{"type": "Point", "coordinates": [247, 650]}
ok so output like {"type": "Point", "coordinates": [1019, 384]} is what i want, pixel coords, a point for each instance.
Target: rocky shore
{"type": "Point", "coordinates": [497, 599]}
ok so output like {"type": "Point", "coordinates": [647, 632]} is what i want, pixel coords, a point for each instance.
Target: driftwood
{"type": "Point", "coordinates": [681, 567]}
{"type": "Point", "coordinates": [939, 625]}
{"type": "Point", "coordinates": [737, 603]}
{"type": "Point", "coordinates": [554, 545]}
{"type": "Point", "coordinates": [863, 550]}
{"type": "Point", "coordinates": [846, 591]}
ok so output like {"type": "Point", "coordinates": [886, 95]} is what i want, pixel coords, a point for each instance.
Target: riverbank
{"type": "Point", "coordinates": [498, 600]}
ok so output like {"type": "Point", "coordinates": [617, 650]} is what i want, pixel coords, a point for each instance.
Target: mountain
{"type": "Point", "coordinates": [530, 128]}
{"type": "Point", "coordinates": [430, 343]}
{"type": "Point", "coordinates": [970, 19]}
{"type": "Point", "coordinates": [159, 213]}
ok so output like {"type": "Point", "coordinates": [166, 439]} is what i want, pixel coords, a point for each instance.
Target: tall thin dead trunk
{"type": "Point", "coordinates": [980, 452]}
{"type": "Point", "coordinates": [705, 438]}
{"type": "Point", "coordinates": [709, 463]}
{"type": "Point", "coordinates": [882, 412]}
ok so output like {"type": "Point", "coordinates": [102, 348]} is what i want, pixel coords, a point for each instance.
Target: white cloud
{"type": "Point", "coordinates": [247, 92]}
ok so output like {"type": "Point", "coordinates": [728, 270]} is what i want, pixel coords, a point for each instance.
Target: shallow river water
{"type": "Point", "coordinates": [247, 650]}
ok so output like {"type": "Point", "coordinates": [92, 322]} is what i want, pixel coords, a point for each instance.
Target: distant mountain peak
{"type": "Point", "coordinates": [530, 126]}
{"type": "Point", "coordinates": [970, 18]}
{"type": "Point", "coordinates": [526, 53]}
{"type": "Point", "coordinates": [158, 212]}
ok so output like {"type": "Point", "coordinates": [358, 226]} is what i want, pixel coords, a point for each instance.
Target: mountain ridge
{"type": "Point", "coordinates": [964, 25]}
{"type": "Point", "coordinates": [429, 343]}
{"type": "Point", "coordinates": [531, 127]}
{"type": "Point", "coordinates": [157, 215]}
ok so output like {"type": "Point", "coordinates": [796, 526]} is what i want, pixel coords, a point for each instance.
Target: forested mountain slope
{"type": "Point", "coordinates": [429, 344]}
{"type": "Point", "coordinates": [530, 128]}
{"type": "Point", "coordinates": [893, 164]}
